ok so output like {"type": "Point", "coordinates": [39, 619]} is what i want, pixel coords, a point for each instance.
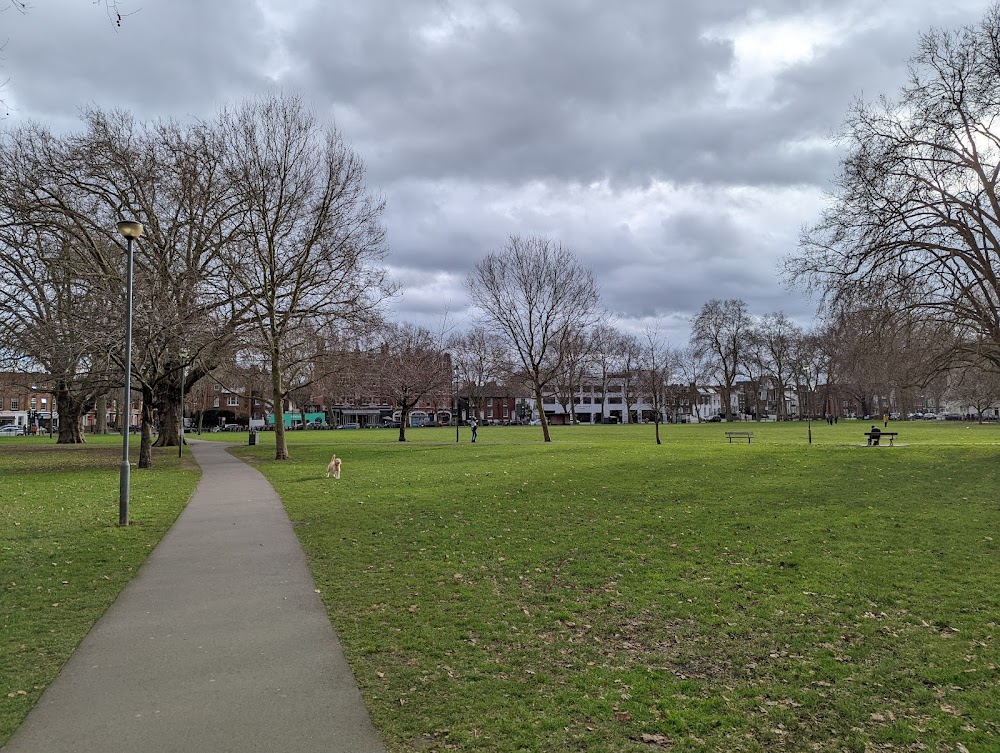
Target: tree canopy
{"type": "Point", "coordinates": [913, 223]}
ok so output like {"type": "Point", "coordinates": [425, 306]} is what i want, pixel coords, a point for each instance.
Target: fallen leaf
{"type": "Point", "coordinates": [656, 739]}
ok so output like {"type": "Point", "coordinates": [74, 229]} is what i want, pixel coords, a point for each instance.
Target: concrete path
{"type": "Point", "coordinates": [220, 643]}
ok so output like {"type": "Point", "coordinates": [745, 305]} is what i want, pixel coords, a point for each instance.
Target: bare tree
{"type": "Point", "coordinates": [654, 378]}
{"type": "Point", "coordinates": [535, 294]}
{"type": "Point", "coordinates": [914, 221]}
{"type": "Point", "coordinates": [312, 243]}
{"type": "Point", "coordinates": [719, 333]}
{"type": "Point", "coordinates": [809, 367]}
{"type": "Point", "coordinates": [778, 339]}
{"type": "Point", "coordinates": [46, 317]}
{"type": "Point", "coordinates": [629, 363]}
{"type": "Point", "coordinates": [74, 188]}
{"type": "Point", "coordinates": [977, 387]}
{"type": "Point", "coordinates": [607, 346]}
{"type": "Point", "coordinates": [482, 363]}
{"type": "Point", "coordinates": [576, 360]}
{"type": "Point", "coordinates": [412, 367]}
{"type": "Point", "coordinates": [693, 368]}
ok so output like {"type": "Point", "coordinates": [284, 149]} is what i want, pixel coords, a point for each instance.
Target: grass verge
{"type": "Point", "coordinates": [63, 558]}
{"type": "Point", "coordinates": [602, 593]}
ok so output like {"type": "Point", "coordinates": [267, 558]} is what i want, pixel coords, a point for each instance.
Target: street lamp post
{"type": "Point", "coordinates": [454, 392]}
{"type": "Point", "coordinates": [180, 443]}
{"type": "Point", "coordinates": [131, 231]}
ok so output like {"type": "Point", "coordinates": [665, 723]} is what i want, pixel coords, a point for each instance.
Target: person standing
{"type": "Point", "coordinates": [475, 429]}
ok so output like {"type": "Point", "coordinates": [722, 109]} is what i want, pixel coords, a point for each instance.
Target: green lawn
{"type": "Point", "coordinates": [602, 593]}
{"type": "Point", "coordinates": [63, 559]}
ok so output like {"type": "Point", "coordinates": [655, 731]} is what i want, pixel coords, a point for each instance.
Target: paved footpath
{"type": "Point", "coordinates": [219, 644]}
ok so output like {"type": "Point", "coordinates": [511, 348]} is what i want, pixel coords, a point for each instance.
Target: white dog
{"type": "Point", "coordinates": [333, 467]}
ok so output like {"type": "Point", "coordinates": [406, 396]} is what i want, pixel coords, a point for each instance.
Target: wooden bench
{"type": "Point", "coordinates": [873, 434]}
{"type": "Point", "coordinates": [747, 435]}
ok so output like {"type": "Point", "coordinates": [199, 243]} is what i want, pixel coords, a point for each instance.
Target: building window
{"type": "Point", "coordinates": [548, 401]}
{"type": "Point", "coordinates": [232, 400]}
{"type": "Point", "coordinates": [34, 403]}
{"type": "Point", "coordinates": [506, 411]}
{"type": "Point", "coordinates": [489, 412]}
{"type": "Point", "coordinates": [45, 403]}
{"type": "Point", "coordinates": [13, 403]}
{"type": "Point", "coordinates": [615, 400]}
{"type": "Point", "coordinates": [215, 402]}
{"type": "Point", "coordinates": [217, 387]}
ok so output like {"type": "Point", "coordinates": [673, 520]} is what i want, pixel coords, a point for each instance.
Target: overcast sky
{"type": "Point", "coordinates": [677, 147]}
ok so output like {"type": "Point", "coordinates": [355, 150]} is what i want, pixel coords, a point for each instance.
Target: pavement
{"type": "Point", "coordinates": [220, 643]}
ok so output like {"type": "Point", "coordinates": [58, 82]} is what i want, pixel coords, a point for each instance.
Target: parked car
{"type": "Point", "coordinates": [316, 425]}
{"type": "Point", "coordinates": [349, 426]}
{"type": "Point", "coordinates": [535, 422]}
{"type": "Point", "coordinates": [11, 430]}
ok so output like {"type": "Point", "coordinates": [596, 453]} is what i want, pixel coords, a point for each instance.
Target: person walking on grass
{"type": "Point", "coordinates": [475, 428]}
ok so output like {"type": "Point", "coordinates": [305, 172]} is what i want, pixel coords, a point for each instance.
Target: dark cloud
{"type": "Point", "coordinates": [644, 135]}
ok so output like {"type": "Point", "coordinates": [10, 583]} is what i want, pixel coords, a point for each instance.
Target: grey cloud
{"type": "Point", "coordinates": [502, 125]}
{"type": "Point", "coordinates": [165, 60]}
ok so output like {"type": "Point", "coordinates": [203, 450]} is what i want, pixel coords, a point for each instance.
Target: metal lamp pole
{"type": "Point", "coordinates": [180, 444]}
{"type": "Point", "coordinates": [131, 231]}
{"type": "Point", "coordinates": [454, 391]}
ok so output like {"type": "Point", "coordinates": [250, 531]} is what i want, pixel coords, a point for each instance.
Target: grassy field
{"type": "Point", "coordinates": [602, 593]}
{"type": "Point", "coordinates": [63, 559]}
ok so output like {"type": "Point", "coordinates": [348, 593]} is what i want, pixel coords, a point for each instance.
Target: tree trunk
{"type": "Point", "coordinates": [71, 410]}
{"type": "Point", "coordinates": [541, 413]}
{"type": "Point", "coordinates": [657, 422]}
{"type": "Point", "coordinates": [278, 401]}
{"type": "Point", "coordinates": [404, 414]}
{"type": "Point", "coordinates": [169, 435]}
{"type": "Point", "coordinates": [101, 426]}
{"type": "Point", "coordinates": [146, 442]}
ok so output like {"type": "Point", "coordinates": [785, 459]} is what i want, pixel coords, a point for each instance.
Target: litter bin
{"type": "Point", "coordinates": [253, 438]}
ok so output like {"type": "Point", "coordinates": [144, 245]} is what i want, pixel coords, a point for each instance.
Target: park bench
{"type": "Point", "coordinates": [873, 434]}
{"type": "Point", "coordinates": [747, 435]}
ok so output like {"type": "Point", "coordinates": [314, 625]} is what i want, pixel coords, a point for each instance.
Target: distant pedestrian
{"type": "Point", "coordinates": [475, 429]}
{"type": "Point", "coordinates": [885, 420]}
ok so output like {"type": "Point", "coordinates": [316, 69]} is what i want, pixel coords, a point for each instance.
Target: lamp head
{"type": "Point", "coordinates": [130, 228]}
